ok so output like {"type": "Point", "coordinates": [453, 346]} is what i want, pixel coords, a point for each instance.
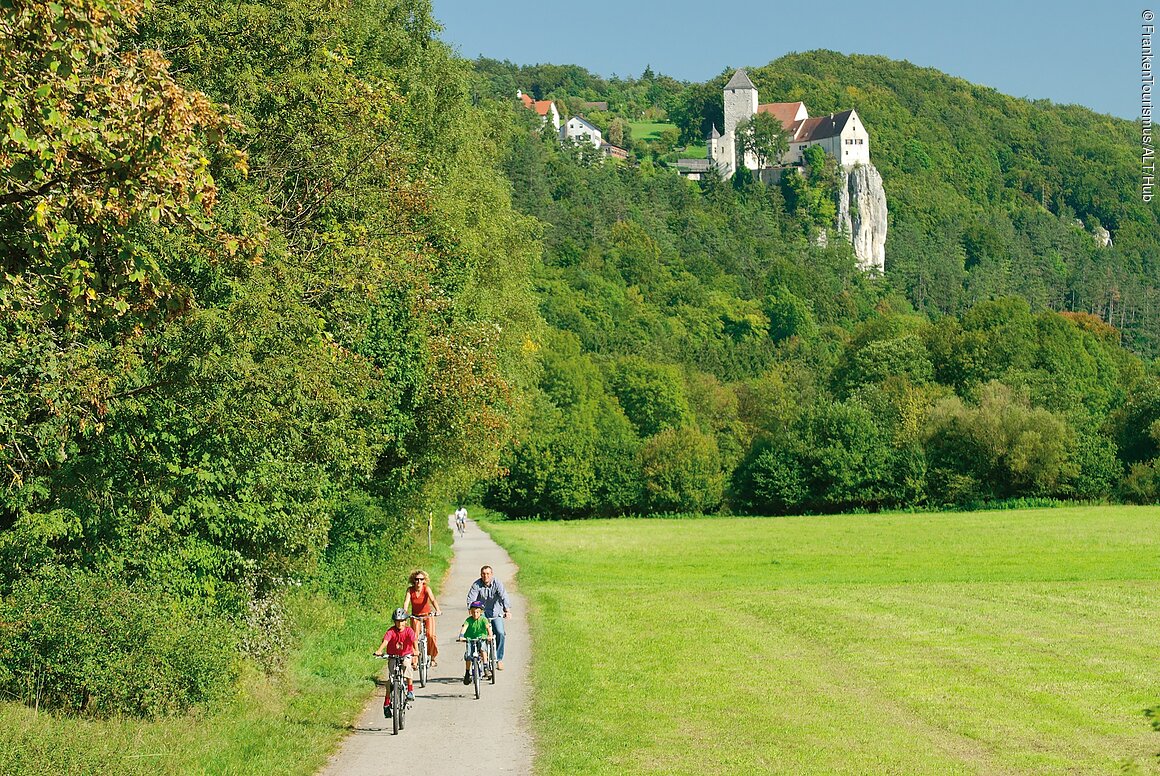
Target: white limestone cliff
{"type": "Point", "coordinates": [862, 215]}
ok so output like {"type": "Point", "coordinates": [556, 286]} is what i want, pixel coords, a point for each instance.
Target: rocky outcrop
{"type": "Point", "coordinates": [862, 215]}
{"type": "Point", "coordinates": [1102, 236]}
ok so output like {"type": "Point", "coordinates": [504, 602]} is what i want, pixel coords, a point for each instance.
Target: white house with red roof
{"type": "Point", "coordinates": [545, 108]}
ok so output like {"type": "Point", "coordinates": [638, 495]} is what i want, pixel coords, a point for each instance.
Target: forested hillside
{"type": "Point", "coordinates": [263, 303]}
{"type": "Point", "coordinates": [984, 189]}
{"type": "Point", "coordinates": [707, 353]}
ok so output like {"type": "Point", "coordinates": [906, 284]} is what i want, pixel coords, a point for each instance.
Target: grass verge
{"type": "Point", "coordinates": [1021, 641]}
{"type": "Point", "coordinates": [285, 723]}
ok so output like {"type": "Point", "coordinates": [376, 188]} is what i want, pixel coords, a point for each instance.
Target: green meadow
{"type": "Point", "coordinates": [960, 643]}
{"type": "Point", "coordinates": [648, 130]}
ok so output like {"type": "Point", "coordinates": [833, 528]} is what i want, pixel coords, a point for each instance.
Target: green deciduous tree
{"type": "Point", "coordinates": [681, 471]}
{"type": "Point", "coordinates": [999, 448]}
{"type": "Point", "coordinates": [763, 136]}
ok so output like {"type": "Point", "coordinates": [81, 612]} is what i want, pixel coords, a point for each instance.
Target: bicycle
{"type": "Point", "coordinates": [461, 526]}
{"type": "Point", "coordinates": [421, 646]}
{"type": "Point", "coordinates": [397, 691]}
{"type": "Point", "coordinates": [477, 672]}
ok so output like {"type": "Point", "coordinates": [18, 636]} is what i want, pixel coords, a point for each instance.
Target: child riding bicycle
{"type": "Point", "coordinates": [399, 641]}
{"type": "Point", "coordinates": [476, 626]}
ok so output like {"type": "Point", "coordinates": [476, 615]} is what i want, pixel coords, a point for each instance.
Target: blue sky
{"type": "Point", "coordinates": [1066, 51]}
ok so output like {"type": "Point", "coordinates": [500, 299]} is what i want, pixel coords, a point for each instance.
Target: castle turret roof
{"type": "Point", "coordinates": [740, 80]}
{"type": "Point", "coordinates": [714, 134]}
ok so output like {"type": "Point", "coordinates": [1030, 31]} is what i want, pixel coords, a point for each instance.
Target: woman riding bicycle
{"type": "Point", "coordinates": [422, 604]}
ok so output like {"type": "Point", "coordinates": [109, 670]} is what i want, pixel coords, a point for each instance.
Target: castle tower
{"type": "Point", "coordinates": [740, 104]}
{"type": "Point", "coordinates": [713, 146]}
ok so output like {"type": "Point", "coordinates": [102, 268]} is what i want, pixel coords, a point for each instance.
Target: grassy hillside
{"type": "Point", "coordinates": [994, 642]}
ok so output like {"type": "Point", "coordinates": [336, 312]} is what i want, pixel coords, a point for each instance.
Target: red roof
{"type": "Point", "coordinates": [526, 99]}
{"type": "Point", "coordinates": [542, 106]}
{"type": "Point", "coordinates": [785, 112]}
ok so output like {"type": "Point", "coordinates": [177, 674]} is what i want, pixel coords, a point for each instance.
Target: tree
{"type": "Point", "coordinates": [696, 110]}
{"type": "Point", "coordinates": [652, 395]}
{"type": "Point", "coordinates": [682, 471]}
{"type": "Point", "coordinates": [763, 136]}
{"type": "Point", "coordinates": [999, 448]}
{"type": "Point", "coordinates": [620, 134]}
{"type": "Point", "coordinates": [95, 140]}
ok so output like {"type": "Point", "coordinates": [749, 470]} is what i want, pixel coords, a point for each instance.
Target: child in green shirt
{"type": "Point", "coordinates": [476, 626]}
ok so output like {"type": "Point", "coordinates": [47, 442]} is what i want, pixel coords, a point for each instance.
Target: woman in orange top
{"type": "Point", "coordinates": [423, 606]}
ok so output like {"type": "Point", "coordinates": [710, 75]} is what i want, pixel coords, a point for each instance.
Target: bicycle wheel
{"type": "Point", "coordinates": [397, 701]}
{"type": "Point", "coordinates": [475, 676]}
{"type": "Point", "coordinates": [491, 662]}
{"type": "Point", "coordinates": [424, 660]}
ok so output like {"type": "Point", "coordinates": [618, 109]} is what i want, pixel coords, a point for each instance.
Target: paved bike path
{"type": "Point", "coordinates": [448, 731]}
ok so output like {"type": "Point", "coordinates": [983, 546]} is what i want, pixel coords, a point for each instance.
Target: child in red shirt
{"type": "Point", "coordinates": [399, 641]}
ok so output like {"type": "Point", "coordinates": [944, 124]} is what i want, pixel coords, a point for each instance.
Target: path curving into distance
{"type": "Point", "coordinates": [449, 731]}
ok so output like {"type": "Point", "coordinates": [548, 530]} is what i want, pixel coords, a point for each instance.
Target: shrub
{"type": "Point", "coordinates": [77, 641]}
{"type": "Point", "coordinates": [1142, 485]}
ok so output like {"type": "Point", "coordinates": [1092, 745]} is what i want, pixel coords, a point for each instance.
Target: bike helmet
{"type": "Point", "coordinates": [400, 615]}
{"type": "Point", "coordinates": [476, 605]}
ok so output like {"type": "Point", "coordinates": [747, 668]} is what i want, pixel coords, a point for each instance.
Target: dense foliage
{"type": "Point", "coordinates": [710, 353]}
{"type": "Point", "coordinates": [254, 317]}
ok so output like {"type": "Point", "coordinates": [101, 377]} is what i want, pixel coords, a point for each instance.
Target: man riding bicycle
{"type": "Point", "coordinates": [490, 591]}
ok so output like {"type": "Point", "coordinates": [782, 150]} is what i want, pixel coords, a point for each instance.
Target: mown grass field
{"type": "Point", "coordinates": [287, 723]}
{"type": "Point", "coordinates": [963, 643]}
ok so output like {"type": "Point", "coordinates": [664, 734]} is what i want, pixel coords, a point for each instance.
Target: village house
{"type": "Point", "coordinates": [545, 108]}
{"type": "Point", "coordinates": [616, 152]}
{"type": "Point", "coordinates": [580, 130]}
{"type": "Point", "coordinates": [576, 129]}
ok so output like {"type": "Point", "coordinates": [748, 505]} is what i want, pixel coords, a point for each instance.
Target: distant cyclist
{"type": "Point", "coordinates": [399, 641]}
{"type": "Point", "coordinates": [490, 591]}
{"type": "Point", "coordinates": [461, 520]}
{"type": "Point", "coordinates": [421, 602]}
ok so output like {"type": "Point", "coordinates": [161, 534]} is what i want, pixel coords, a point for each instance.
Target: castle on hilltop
{"type": "Point", "coordinates": [861, 198]}
{"type": "Point", "coordinates": [841, 135]}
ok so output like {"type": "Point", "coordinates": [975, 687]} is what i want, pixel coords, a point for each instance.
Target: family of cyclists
{"type": "Point", "coordinates": [488, 607]}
